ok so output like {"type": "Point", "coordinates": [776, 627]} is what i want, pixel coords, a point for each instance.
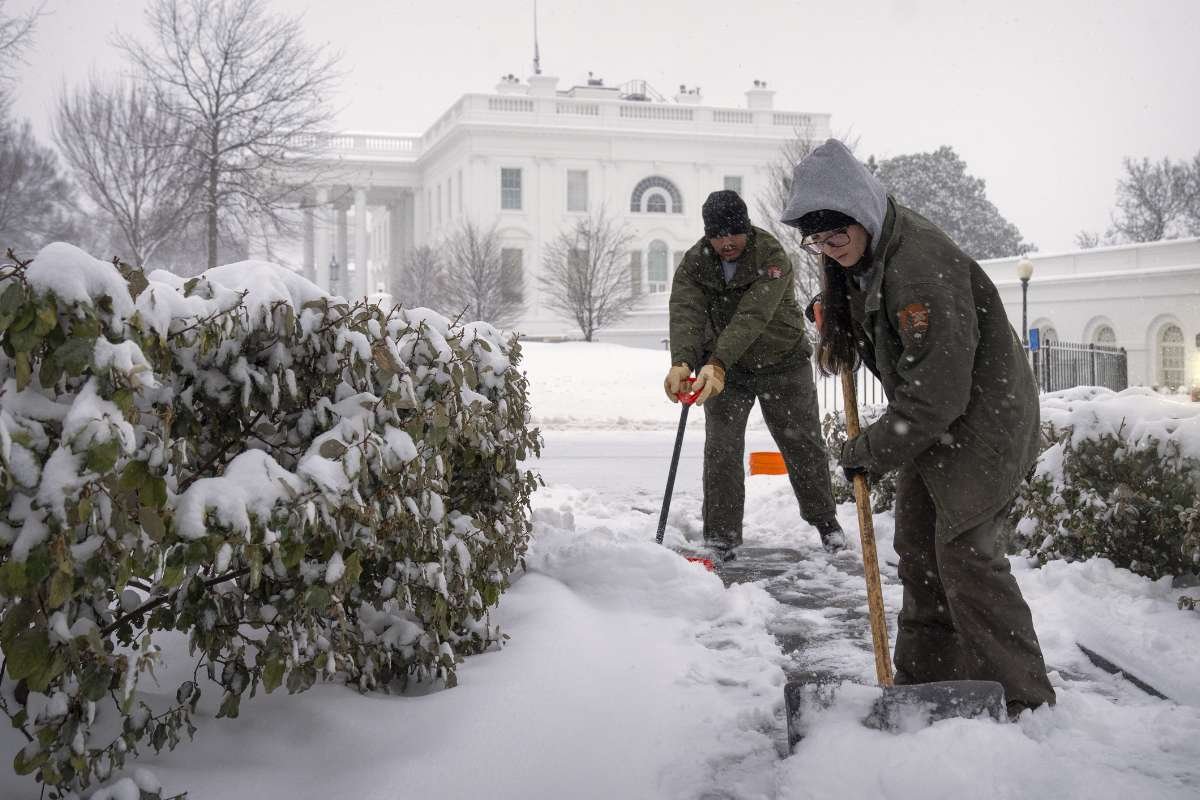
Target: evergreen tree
{"type": "Point", "coordinates": [938, 186]}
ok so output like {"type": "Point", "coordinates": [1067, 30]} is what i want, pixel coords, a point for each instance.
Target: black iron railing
{"type": "Point", "coordinates": [1063, 365]}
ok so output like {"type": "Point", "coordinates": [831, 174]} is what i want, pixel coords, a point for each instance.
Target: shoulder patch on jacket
{"type": "Point", "coordinates": [774, 271]}
{"type": "Point", "coordinates": [914, 323]}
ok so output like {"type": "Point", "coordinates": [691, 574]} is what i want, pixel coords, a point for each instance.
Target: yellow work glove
{"type": "Point", "coordinates": [676, 381]}
{"type": "Point", "coordinates": [709, 383]}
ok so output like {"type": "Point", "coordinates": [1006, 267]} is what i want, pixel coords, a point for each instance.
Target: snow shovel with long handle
{"type": "Point", "coordinates": [899, 706]}
{"type": "Point", "coordinates": [686, 398]}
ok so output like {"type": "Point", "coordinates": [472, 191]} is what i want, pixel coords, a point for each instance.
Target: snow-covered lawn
{"type": "Point", "coordinates": [633, 674]}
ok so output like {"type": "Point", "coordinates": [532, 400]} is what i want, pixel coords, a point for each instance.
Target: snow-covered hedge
{"type": "Point", "coordinates": [1121, 480]}
{"type": "Point", "coordinates": [883, 487]}
{"type": "Point", "coordinates": [307, 489]}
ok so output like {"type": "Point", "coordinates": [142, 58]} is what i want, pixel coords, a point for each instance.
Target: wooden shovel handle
{"type": "Point", "coordinates": [870, 556]}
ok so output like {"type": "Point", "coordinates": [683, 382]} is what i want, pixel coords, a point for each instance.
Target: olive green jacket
{"type": "Point", "coordinates": [962, 401]}
{"type": "Point", "coordinates": [752, 323]}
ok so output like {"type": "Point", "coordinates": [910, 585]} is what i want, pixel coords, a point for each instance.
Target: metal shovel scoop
{"type": "Point", "coordinates": [899, 707]}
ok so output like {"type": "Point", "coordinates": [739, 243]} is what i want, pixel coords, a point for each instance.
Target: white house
{"type": "Point", "coordinates": [531, 158]}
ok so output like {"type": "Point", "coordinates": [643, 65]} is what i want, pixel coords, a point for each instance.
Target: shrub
{"type": "Point", "coordinates": [1129, 498]}
{"type": "Point", "coordinates": [307, 489]}
{"type": "Point", "coordinates": [883, 487]}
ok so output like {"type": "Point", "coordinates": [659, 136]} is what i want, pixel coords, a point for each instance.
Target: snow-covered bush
{"type": "Point", "coordinates": [883, 487]}
{"type": "Point", "coordinates": [306, 489]}
{"type": "Point", "coordinates": [1121, 480]}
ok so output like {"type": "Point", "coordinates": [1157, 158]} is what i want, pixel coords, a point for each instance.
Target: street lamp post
{"type": "Point", "coordinates": [1025, 272]}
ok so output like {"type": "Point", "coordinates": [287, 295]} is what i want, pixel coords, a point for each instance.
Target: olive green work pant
{"type": "Point", "coordinates": [789, 407]}
{"type": "Point", "coordinates": [963, 615]}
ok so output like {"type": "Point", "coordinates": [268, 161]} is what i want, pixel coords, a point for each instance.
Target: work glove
{"type": "Point", "coordinates": [850, 472]}
{"type": "Point", "coordinates": [676, 381]}
{"type": "Point", "coordinates": [814, 311]}
{"type": "Point", "coordinates": [709, 383]}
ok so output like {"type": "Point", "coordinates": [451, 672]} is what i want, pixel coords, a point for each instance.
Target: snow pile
{"type": "Point", "coordinates": [1138, 415]}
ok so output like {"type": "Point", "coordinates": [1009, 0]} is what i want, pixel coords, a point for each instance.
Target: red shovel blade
{"type": "Point", "coordinates": [707, 562]}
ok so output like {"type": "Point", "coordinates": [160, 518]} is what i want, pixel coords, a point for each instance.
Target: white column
{"type": "Point", "coordinates": [362, 250]}
{"type": "Point", "coordinates": [322, 241]}
{"type": "Point", "coordinates": [342, 250]}
{"type": "Point", "coordinates": [306, 245]}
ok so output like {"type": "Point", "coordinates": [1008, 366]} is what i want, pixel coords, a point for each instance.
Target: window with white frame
{"type": "Point", "coordinates": [635, 272]}
{"type": "Point", "coordinates": [1171, 356]}
{"type": "Point", "coordinates": [669, 199]}
{"type": "Point", "coordinates": [512, 273]}
{"type": "Point", "coordinates": [460, 200]}
{"type": "Point", "coordinates": [657, 256]}
{"type": "Point", "coordinates": [1105, 335]}
{"type": "Point", "coordinates": [510, 188]}
{"type": "Point", "coordinates": [577, 190]}
{"type": "Point", "coordinates": [733, 183]}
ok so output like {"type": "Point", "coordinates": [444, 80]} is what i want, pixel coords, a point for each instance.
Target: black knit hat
{"type": "Point", "coordinates": [725, 214]}
{"type": "Point", "coordinates": [823, 220]}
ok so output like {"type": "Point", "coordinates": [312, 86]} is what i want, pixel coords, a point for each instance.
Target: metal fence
{"type": "Point", "coordinates": [1057, 365]}
{"type": "Point", "coordinates": [829, 390]}
{"type": "Point", "coordinates": [1063, 365]}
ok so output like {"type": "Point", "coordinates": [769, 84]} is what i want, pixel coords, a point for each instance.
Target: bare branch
{"type": "Point", "coordinates": [255, 97]}
{"type": "Point", "coordinates": [585, 273]}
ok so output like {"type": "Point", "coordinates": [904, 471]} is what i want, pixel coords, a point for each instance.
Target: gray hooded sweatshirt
{"type": "Point", "coordinates": [833, 180]}
{"type": "Point", "coordinates": [962, 401]}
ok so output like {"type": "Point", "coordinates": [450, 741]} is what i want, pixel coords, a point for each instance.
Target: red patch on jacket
{"type": "Point", "coordinates": [914, 323]}
{"type": "Point", "coordinates": [774, 272]}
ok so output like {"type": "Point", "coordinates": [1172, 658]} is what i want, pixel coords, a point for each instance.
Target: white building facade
{"type": "Point", "coordinates": [530, 160]}
{"type": "Point", "coordinates": [1144, 298]}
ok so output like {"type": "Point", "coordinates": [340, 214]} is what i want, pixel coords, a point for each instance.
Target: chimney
{"type": "Point", "coordinates": [511, 84]}
{"type": "Point", "coordinates": [543, 85]}
{"type": "Point", "coordinates": [760, 98]}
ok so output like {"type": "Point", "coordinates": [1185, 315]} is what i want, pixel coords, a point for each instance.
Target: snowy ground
{"type": "Point", "coordinates": [633, 674]}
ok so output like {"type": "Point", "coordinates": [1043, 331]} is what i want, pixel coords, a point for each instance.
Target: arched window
{"type": "Point", "coordinates": [656, 266]}
{"type": "Point", "coordinates": [1170, 357]}
{"type": "Point", "coordinates": [671, 198]}
{"type": "Point", "coordinates": [1105, 335]}
{"type": "Point", "coordinates": [1049, 334]}
{"type": "Point", "coordinates": [656, 203]}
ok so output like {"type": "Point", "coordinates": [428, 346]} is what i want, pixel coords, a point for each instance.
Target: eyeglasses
{"type": "Point", "coordinates": [835, 238]}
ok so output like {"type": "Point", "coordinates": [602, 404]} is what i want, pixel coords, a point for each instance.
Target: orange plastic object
{"type": "Point", "coordinates": [765, 462]}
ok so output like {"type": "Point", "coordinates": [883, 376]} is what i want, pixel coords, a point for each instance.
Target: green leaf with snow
{"type": "Point", "coordinates": [75, 355]}
{"type": "Point", "coordinates": [332, 449]}
{"type": "Point", "coordinates": [28, 654]}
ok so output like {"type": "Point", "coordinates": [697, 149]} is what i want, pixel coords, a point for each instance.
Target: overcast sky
{"type": "Point", "coordinates": [1041, 98]}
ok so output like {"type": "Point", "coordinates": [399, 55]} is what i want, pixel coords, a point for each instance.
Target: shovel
{"type": "Point", "coordinates": [686, 398]}
{"type": "Point", "coordinates": [899, 706]}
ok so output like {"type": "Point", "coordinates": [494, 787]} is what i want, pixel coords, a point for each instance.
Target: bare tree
{"type": "Point", "coordinates": [1191, 209]}
{"type": "Point", "coordinates": [37, 202]}
{"type": "Point", "coordinates": [254, 94]}
{"type": "Point", "coordinates": [585, 273]}
{"type": "Point", "coordinates": [421, 280]}
{"type": "Point", "coordinates": [131, 156]}
{"type": "Point", "coordinates": [13, 31]}
{"type": "Point", "coordinates": [478, 282]}
{"type": "Point", "coordinates": [774, 200]}
{"type": "Point", "coordinates": [1151, 200]}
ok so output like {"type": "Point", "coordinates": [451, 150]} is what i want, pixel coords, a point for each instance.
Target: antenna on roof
{"type": "Point", "coordinates": [537, 59]}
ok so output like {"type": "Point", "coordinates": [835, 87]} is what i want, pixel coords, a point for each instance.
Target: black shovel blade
{"type": "Point", "coordinates": [917, 705]}
{"type": "Point", "coordinates": [898, 708]}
